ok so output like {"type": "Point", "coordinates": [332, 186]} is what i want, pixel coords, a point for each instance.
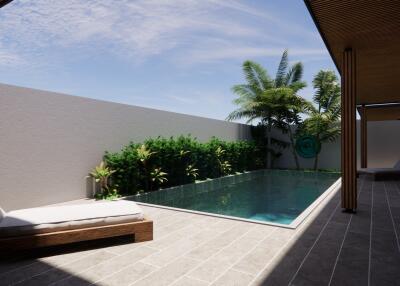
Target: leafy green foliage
{"type": "Point", "coordinates": [158, 177]}
{"type": "Point", "coordinates": [192, 172]}
{"type": "Point", "coordinates": [224, 166]}
{"type": "Point", "coordinates": [110, 194]}
{"type": "Point", "coordinates": [144, 154]}
{"type": "Point", "coordinates": [274, 102]}
{"type": "Point", "coordinates": [175, 161]}
{"type": "Point", "coordinates": [101, 175]}
{"type": "Point", "coordinates": [324, 121]}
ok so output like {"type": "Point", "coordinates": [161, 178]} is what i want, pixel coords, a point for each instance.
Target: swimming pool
{"type": "Point", "coordinates": [274, 196]}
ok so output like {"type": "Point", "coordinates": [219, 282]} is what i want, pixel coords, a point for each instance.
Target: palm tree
{"type": "Point", "coordinates": [266, 99]}
{"type": "Point", "coordinates": [324, 120]}
{"type": "Point", "coordinates": [292, 106]}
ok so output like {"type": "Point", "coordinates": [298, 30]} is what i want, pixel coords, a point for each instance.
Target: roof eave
{"type": "Point", "coordinates": [4, 2]}
{"type": "Point", "coordinates": [309, 8]}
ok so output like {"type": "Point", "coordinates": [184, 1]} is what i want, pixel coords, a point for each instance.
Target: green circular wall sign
{"type": "Point", "coordinates": [308, 146]}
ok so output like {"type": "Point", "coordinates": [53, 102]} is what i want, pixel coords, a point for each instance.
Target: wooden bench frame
{"type": "Point", "coordinates": [141, 230]}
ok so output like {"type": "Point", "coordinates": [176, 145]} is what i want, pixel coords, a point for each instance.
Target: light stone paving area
{"type": "Point", "coordinates": [198, 250]}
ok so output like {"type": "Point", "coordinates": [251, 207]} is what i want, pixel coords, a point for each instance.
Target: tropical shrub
{"type": "Point", "coordinates": [101, 175]}
{"type": "Point", "coordinates": [166, 162]}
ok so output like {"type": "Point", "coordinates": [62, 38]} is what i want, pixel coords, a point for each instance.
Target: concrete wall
{"type": "Point", "coordinates": [49, 142]}
{"type": "Point", "coordinates": [383, 148]}
{"type": "Point", "coordinates": [329, 157]}
{"type": "Point", "coordinates": [383, 144]}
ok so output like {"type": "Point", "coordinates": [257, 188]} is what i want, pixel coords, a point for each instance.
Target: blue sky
{"type": "Point", "coordinates": [176, 55]}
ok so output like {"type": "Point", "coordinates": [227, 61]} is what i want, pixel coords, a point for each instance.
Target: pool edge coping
{"type": "Point", "coordinates": [303, 215]}
{"type": "Point", "coordinates": [293, 225]}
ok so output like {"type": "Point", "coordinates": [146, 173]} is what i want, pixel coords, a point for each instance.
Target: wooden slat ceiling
{"type": "Point", "coordinates": [4, 2]}
{"type": "Point", "coordinates": [381, 113]}
{"type": "Point", "coordinates": [372, 28]}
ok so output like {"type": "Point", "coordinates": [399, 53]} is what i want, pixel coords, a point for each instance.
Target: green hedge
{"type": "Point", "coordinates": [173, 156]}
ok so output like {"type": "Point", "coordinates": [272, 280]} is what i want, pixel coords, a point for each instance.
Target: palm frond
{"type": "Point", "coordinates": [295, 73]}
{"type": "Point", "coordinates": [255, 74]}
{"type": "Point", "coordinates": [282, 70]}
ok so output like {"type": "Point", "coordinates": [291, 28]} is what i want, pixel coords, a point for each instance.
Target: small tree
{"type": "Point", "coordinates": [292, 106]}
{"type": "Point", "coordinates": [324, 122]}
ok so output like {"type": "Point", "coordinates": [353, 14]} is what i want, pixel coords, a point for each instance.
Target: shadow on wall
{"type": "Point", "coordinates": [329, 157]}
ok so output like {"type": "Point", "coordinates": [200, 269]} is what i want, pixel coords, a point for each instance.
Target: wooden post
{"type": "Point", "coordinates": [364, 144]}
{"type": "Point", "coordinates": [348, 125]}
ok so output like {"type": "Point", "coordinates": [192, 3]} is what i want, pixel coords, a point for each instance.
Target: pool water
{"type": "Point", "coordinates": [273, 196]}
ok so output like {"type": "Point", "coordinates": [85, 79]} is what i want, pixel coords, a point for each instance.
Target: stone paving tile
{"type": "Point", "coordinates": [49, 258]}
{"type": "Point", "coordinates": [357, 240]}
{"type": "Point", "coordinates": [206, 250]}
{"type": "Point", "coordinates": [352, 267]}
{"type": "Point", "coordinates": [168, 274]}
{"type": "Point", "coordinates": [334, 232]}
{"type": "Point", "coordinates": [361, 223]}
{"type": "Point", "coordinates": [221, 261]}
{"type": "Point", "coordinates": [281, 270]}
{"type": "Point", "coordinates": [128, 275]}
{"type": "Point", "coordinates": [125, 246]}
{"type": "Point", "coordinates": [170, 239]}
{"type": "Point", "coordinates": [186, 281]}
{"type": "Point", "coordinates": [340, 217]}
{"type": "Point", "coordinates": [178, 248]}
{"type": "Point", "coordinates": [210, 269]}
{"type": "Point", "coordinates": [258, 258]}
{"type": "Point", "coordinates": [34, 267]}
{"type": "Point", "coordinates": [234, 278]}
{"type": "Point", "coordinates": [9, 264]}
{"type": "Point", "coordinates": [320, 261]}
{"type": "Point", "coordinates": [24, 273]}
{"type": "Point", "coordinates": [61, 273]}
{"type": "Point", "coordinates": [58, 273]}
{"type": "Point", "coordinates": [385, 270]}
{"type": "Point", "coordinates": [110, 266]}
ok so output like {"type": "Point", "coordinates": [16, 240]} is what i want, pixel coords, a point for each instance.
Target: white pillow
{"type": "Point", "coordinates": [2, 214]}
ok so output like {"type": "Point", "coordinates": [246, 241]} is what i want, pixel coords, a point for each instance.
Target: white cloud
{"type": "Point", "coordinates": [181, 99]}
{"type": "Point", "coordinates": [134, 30]}
{"type": "Point", "coordinates": [223, 51]}
{"type": "Point", "coordinates": [9, 59]}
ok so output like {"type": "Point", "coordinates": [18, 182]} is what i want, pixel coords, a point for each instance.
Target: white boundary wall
{"type": "Point", "coordinates": [329, 157]}
{"type": "Point", "coordinates": [49, 141]}
{"type": "Point", "coordinates": [383, 143]}
{"type": "Point", "coordinates": [383, 148]}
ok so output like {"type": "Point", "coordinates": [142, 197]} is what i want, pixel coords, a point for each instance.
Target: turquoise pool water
{"type": "Point", "coordinates": [268, 196]}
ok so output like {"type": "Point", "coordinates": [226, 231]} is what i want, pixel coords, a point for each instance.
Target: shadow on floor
{"type": "Point", "coordinates": [47, 265]}
{"type": "Point", "coordinates": [346, 249]}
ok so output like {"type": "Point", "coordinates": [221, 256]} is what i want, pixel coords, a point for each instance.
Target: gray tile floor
{"type": "Point", "coordinates": [329, 248]}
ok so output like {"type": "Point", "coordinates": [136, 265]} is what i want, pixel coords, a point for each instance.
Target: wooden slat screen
{"type": "Point", "coordinates": [348, 124]}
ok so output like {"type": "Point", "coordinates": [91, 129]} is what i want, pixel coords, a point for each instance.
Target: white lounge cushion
{"type": "Point", "coordinates": [379, 171]}
{"type": "Point", "coordinates": [57, 218]}
{"type": "Point", "coordinates": [382, 171]}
